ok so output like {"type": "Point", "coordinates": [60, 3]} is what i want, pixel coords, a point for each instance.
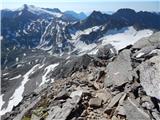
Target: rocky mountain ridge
{"type": "Point", "coordinates": [56, 66]}
{"type": "Point", "coordinates": [105, 86]}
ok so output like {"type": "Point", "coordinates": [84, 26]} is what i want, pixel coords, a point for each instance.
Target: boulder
{"type": "Point", "coordinates": [115, 118]}
{"type": "Point", "coordinates": [35, 117]}
{"type": "Point", "coordinates": [61, 113]}
{"type": "Point", "coordinates": [104, 95]}
{"type": "Point", "coordinates": [121, 111]}
{"type": "Point", "coordinates": [115, 100]}
{"type": "Point", "coordinates": [156, 115]}
{"type": "Point", "coordinates": [106, 52]}
{"type": "Point", "coordinates": [76, 93]}
{"type": "Point", "coordinates": [150, 76]}
{"type": "Point", "coordinates": [147, 103]}
{"type": "Point", "coordinates": [119, 71]}
{"type": "Point", "coordinates": [95, 102]}
{"type": "Point", "coordinates": [148, 41]}
{"type": "Point", "coordinates": [133, 112]}
{"type": "Point", "coordinates": [62, 95]}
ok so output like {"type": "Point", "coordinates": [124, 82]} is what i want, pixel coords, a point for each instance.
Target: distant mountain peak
{"type": "Point", "coordinates": [126, 10]}
{"type": "Point", "coordinates": [26, 7]}
{"type": "Point", "coordinates": [79, 16]}
{"type": "Point", "coordinates": [96, 13]}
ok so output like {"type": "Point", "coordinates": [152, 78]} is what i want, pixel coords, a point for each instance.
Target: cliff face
{"type": "Point", "coordinates": [105, 86]}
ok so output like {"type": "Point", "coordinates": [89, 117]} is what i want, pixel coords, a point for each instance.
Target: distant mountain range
{"type": "Point", "coordinates": [58, 32]}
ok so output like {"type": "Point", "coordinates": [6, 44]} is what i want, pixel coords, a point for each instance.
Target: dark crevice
{"type": "Point", "coordinates": [138, 74]}
{"type": "Point", "coordinates": [155, 102]}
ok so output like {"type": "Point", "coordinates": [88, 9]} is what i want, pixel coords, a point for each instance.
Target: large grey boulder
{"type": "Point", "coordinates": [106, 52]}
{"type": "Point", "coordinates": [119, 71]}
{"type": "Point", "coordinates": [133, 112]}
{"type": "Point", "coordinates": [148, 41]}
{"type": "Point", "coordinates": [150, 76]}
{"type": "Point", "coordinates": [95, 102]}
{"type": "Point", "coordinates": [61, 113]}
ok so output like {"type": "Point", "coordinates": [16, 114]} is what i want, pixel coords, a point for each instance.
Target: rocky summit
{"type": "Point", "coordinates": [120, 86]}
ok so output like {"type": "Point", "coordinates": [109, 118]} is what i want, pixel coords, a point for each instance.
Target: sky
{"type": "Point", "coordinates": [86, 5]}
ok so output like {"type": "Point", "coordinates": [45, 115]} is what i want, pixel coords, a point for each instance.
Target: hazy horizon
{"type": "Point", "coordinates": [87, 6]}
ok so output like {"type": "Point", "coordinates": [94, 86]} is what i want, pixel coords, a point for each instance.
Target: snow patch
{"type": "Point", "coordinates": [139, 55]}
{"type": "Point", "coordinates": [16, 77]}
{"type": "Point", "coordinates": [5, 74]}
{"type": "Point", "coordinates": [17, 95]}
{"type": "Point", "coordinates": [47, 70]}
{"type": "Point", "coordinates": [1, 101]}
{"type": "Point", "coordinates": [76, 34]}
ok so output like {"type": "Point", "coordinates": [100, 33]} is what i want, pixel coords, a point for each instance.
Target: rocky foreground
{"type": "Point", "coordinates": [108, 86]}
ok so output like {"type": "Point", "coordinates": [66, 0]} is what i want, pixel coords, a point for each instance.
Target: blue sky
{"type": "Point", "coordinates": [87, 5]}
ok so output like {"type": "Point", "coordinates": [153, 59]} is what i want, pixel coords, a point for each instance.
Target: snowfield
{"type": "Point", "coordinates": [124, 37]}
{"type": "Point", "coordinates": [118, 38]}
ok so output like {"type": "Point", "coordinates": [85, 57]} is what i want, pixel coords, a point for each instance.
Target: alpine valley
{"type": "Point", "coordinates": [69, 66]}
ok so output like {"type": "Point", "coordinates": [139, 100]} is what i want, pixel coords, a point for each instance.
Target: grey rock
{"type": "Point", "coordinates": [114, 118]}
{"type": "Point", "coordinates": [57, 113]}
{"type": "Point", "coordinates": [91, 77]}
{"type": "Point", "coordinates": [120, 110]}
{"type": "Point", "coordinates": [76, 93]}
{"type": "Point", "coordinates": [149, 76]}
{"type": "Point", "coordinates": [147, 103]}
{"type": "Point", "coordinates": [148, 41]}
{"type": "Point", "coordinates": [95, 102]}
{"type": "Point", "coordinates": [115, 100]}
{"type": "Point", "coordinates": [133, 112]}
{"type": "Point", "coordinates": [120, 70]}
{"type": "Point", "coordinates": [146, 53]}
{"type": "Point", "coordinates": [35, 117]}
{"type": "Point", "coordinates": [106, 52]}
{"type": "Point", "coordinates": [62, 95]}
{"type": "Point", "coordinates": [104, 95]}
{"type": "Point", "coordinates": [156, 115]}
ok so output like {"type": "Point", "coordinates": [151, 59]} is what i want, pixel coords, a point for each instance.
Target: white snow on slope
{"type": "Point", "coordinates": [83, 47]}
{"type": "Point", "coordinates": [120, 39]}
{"type": "Point", "coordinates": [1, 101]}
{"type": "Point", "coordinates": [39, 11]}
{"type": "Point", "coordinates": [5, 74]}
{"type": "Point", "coordinates": [17, 95]}
{"type": "Point", "coordinates": [16, 77]}
{"type": "Point", "coordinates": [47, 70]}
{"type": "Point", "coordinates": [42, 37]}
{"type": "Point", "coordinates": [75, 34]}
